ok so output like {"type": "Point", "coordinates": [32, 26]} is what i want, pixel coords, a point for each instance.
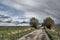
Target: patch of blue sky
{"type": "Point", "coordinates": [11, 11]}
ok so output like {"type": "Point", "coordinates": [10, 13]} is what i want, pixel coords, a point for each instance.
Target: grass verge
{"type": "Point", "coordinates": [52, 35]}
{"type": "Point", "coordinates": [13, 33]}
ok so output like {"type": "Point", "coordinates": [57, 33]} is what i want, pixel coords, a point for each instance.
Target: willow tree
{"type": "Point", "coordinates": [34, 22]}
{"type": "Point", "coordinates": [48, 22]}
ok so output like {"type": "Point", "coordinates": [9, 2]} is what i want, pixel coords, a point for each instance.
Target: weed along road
{"type": "Point", "coordinates": [38, 34]}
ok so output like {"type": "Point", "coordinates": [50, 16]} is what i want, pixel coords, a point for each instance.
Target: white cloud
{"type": "Point", "coordinates": [31, 14]}
{"type": "Point", "coordinates": [16, 19]}
{"type": "Point", "coordinates": [26, 2]}
{"type": "Point", "coordinates": [7, 24]}
{"type": "Point", "coordinates": [36, 8]}
{"type": "Point", "coordinates": [4, 13]}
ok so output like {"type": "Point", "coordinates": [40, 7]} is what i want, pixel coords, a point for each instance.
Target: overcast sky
{"type": "Point", "coordinates": [31, 8]}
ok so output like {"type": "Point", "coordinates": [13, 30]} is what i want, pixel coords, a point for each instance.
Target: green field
{"type": "Point", "coordinates": [13, 32]}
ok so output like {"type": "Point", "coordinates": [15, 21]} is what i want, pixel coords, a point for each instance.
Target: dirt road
{"type": "Point", "coordinates": [38, 34]}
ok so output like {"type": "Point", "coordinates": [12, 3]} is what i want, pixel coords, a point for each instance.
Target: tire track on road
{"type": "Point", "coordinates": [38, 34]}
